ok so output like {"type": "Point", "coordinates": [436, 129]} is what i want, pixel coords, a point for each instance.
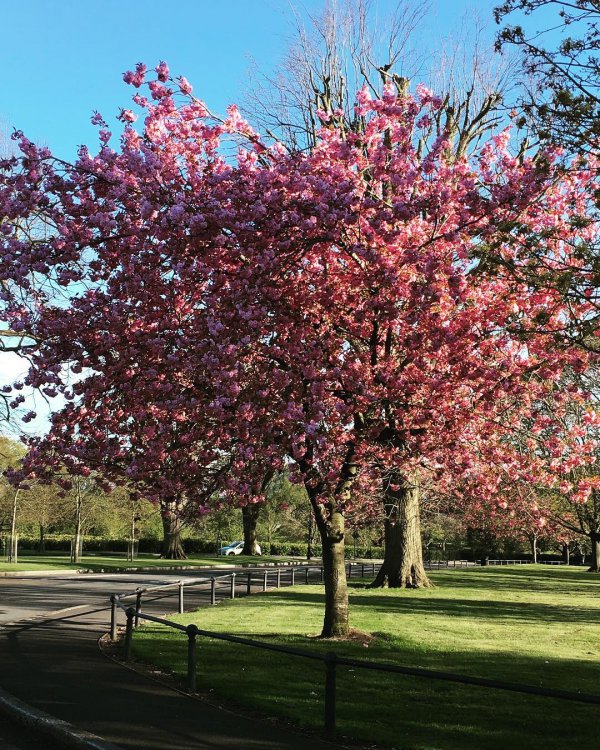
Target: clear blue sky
{"type": "Point", "coordinates": [61, 59]}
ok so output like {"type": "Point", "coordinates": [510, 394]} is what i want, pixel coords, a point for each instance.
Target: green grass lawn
{"type": "Point", "coordinates": [527, 624]}
{"type": "Point", "coordinates": [61, 561]}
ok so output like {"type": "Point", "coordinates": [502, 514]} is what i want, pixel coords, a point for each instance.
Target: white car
{"type": "Point", "coordinates": [235, 548]}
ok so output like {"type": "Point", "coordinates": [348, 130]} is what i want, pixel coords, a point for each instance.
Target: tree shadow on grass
{"type": "Point", "coordinates": [523, 578]}
{"type": "Point", "coordinates": [472, 608]}
{"type": "Point", "coordinates": [420, 713]}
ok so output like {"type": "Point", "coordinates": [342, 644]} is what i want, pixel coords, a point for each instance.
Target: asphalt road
{"type": "Point", "coordinates": [26, 597]}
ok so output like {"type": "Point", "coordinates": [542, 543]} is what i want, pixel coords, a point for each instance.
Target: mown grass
{"type": "Point", "coordinates": [530, 624]}
{"type": "Point", "coordinates": [98, 562]}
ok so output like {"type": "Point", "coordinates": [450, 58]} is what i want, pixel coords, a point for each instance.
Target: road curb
{"type": "Point", "coordinates": [39, 573]}
{"type": "Point", "coordinates": [176, 568]}
{"type": "Point", "coordinates": [49, 726]}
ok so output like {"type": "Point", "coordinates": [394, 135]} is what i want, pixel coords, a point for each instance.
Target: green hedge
{"type": "Point", "coordinates": [197, 546]}
{"type": "Point", "coordinates": [62, 543]}
{"type": "Point", "coordinates": [367, 553]}
{"type": "Point", "coordinates": [298, 549]}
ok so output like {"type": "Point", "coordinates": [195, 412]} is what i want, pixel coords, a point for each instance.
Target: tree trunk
{"type": "Point", "coordinates": [42, 543]}
{"type": "Point", "coordinates": [534, 549]}
{"type": "Point", "coordinates": [335, 622]}
{"type": "Point", "coordinates": [13, 555]}
{"type": "Point", "coordinates": [131, 544]}
{"type": "Point", "coordinates": [329, 520]}
{"type": "Point", "coordinates": [566, 554]}
{"type": "Point", "coordinates": [76, 545]}
{"type": "Point", "coordinates": [595, 540]}
{"type": "Point", "coordinates": [403, 565]}
{"type": "Point", "coordinates": [250, 515]}
{"type": "Point", "coordinates": [310, 537]}
{"type": "Point", "coordinates": [172, 548]}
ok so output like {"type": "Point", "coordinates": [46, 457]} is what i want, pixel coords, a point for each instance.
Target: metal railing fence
{"type": "Point", "coordinates": [250, 580]}
{"type": "Point", "coordinates": [524, 562]}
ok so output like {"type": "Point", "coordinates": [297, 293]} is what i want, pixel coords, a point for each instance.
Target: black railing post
{"type": "Point", "coordinates": [180, 608]}
{"type": "Point", "coordinates": [130, 613]}
{"type": "Point", "coordinates": [113, 617]}
{"type": "Point", "coordinates": [293, 576]}
{"type": "Point", "coordinates": [138, 608]}
{"type": "Point", "coordinates": [249, 583]}
{"type": "Point", "coordinates": [192, 632]}
{"type": "Point", "coordinates": [232, 591]}
{"type": "Point", "coordinates": [306, 575]}
{"type": "Point", "coordinates": [213, 592]}
{"type": "Point", "coordinates": [330, 662]}
{"type": "Point", "coordinates": [322, 574]}
{"type": "Point", "coordinates": [278, 578]}
{"type": "Point", "coordinates": [265, 574]}
{"type": "Point", "coordinates": [362, 570]}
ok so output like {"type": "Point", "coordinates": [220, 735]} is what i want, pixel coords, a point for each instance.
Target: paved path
{"type": "Point", "coordinates": [54, 664]}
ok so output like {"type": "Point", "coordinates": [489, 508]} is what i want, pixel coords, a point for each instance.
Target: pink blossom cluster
{"type": "Point", "coordinates": [328, 311]}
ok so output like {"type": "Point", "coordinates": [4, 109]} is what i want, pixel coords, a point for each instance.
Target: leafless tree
{"type": "Point", "coordinates": [349, 45]}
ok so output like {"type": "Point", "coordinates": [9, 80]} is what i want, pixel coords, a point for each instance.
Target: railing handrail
{"type": "Point", "coordinates": [161, 620]}
{"type": "Point", "coordinates": [161, 587]}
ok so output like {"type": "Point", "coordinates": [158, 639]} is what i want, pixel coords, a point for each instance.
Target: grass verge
{"type": "Point", "coordinates": [530, 624]}
{"type": "Point", "coordinates": [93, 563]}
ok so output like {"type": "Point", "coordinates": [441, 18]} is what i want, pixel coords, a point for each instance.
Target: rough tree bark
{"type": "Point", "coordinates": [330, 523]}
{"type": "Point", "coordinates": [403, 565]}
{"type": "Point", "coordinates": [566, 554]}
{"type": "Point", "coordinates": [329, 519]}
{"type": "Point", "coordinates": [172, 548]}
{"type": "Point", "coordinates": [250, 515]}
